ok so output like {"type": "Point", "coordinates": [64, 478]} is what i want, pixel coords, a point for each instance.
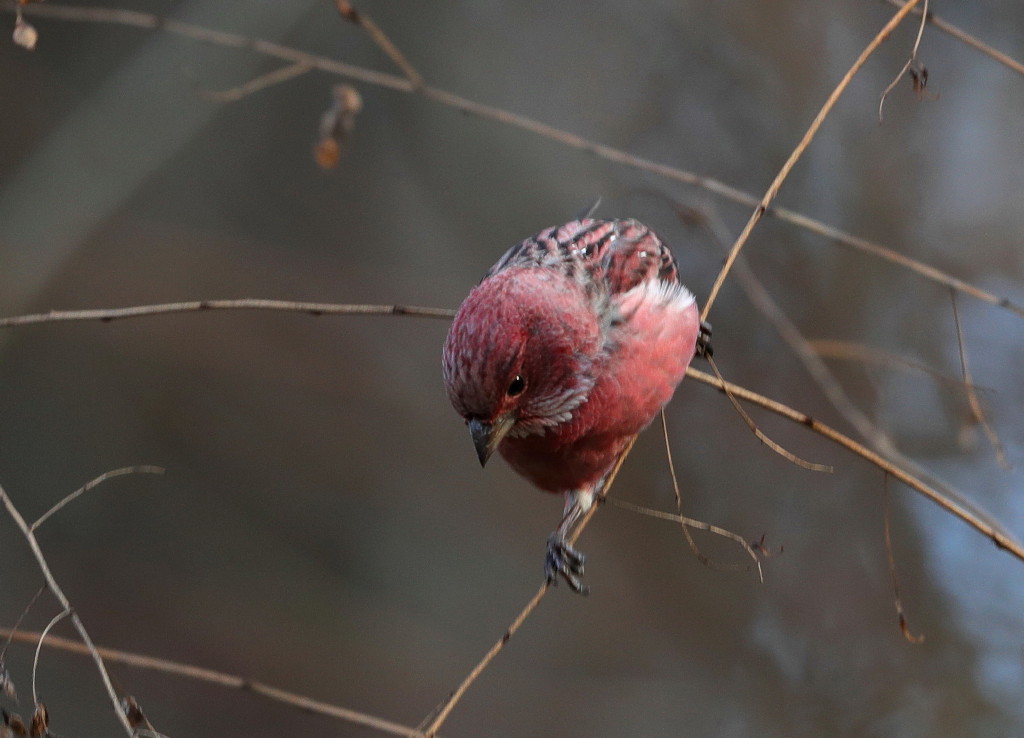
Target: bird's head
{"type": "Point", "coordinates": [519, 356]}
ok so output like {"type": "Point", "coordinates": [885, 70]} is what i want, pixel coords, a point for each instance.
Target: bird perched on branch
{"type": "Point", "coordinates": [568, 347]}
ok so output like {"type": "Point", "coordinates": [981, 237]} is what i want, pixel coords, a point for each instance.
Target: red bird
{"type": "Point", "coordinates": [568, 347]}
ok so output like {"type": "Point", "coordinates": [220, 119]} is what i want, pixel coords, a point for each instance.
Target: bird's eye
{"type": "Point", "coordinates": [516, 386]}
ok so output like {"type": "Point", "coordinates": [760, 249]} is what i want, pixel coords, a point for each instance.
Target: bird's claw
{"type": "Point", "coordinates": [562, 560]}
{"type": "Point", "coordinates": [704, 349]}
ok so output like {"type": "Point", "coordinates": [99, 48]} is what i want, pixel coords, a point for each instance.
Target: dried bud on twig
{"type": "Point", "coordinates": [132, 711]}
{"type": "Point", "coordinates": [40, 722]}
{"type": "Point", "coordinates": [25, 35]}
{"type": "Point", "coordinates": [336, 125]}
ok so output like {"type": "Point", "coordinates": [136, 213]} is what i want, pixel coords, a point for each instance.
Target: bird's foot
{"type": "Point", "coordinates": [562, 560]}
{"type": "Point", "coordinates": [704, 349]}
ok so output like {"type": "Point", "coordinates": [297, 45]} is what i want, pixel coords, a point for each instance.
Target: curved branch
{"type": "Point", "coordinates": [958, 509]}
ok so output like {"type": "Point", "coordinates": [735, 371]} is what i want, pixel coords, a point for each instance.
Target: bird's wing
{"type": "Point", "coordinates": [636, 255]}
{"type": "Point", "coordinates": [617, 255]}
{"type": "Point", "coordinates": [576, 246]}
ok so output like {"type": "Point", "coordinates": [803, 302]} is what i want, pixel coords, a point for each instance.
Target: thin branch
{"type": "Point", "coordinates": [432, 723]}
{"type": "Point", "coordinates": [62, 598]}
{"type": "Point", "coordinates": [364, 21]}
{"type": "Point", "coordinates": [851, 351]}
{"type": "Point", "coordinates": [337, 124]}
{"type": "Point", "coordinates": [967, 38]}
{"type": "Point", "coordinates": [138, 311]}
{"type": "Point", "coordinates": [773, 189]}
{"type": "Point", "coordinates": [808, 355]}
{"type": "Point", "coordinates": [444, 709]}
{"type": "Point", "coordinates": [678, 496]}
{"type": "Point", "coordinates": [820, 373]}
{"type": "Point", "coordinates": [893, 257]}
{"type": "Point", "coordinates": [977, 413]}
{"type": "Point", "coordinates": [790, 334]}
{"type": "Point", "coordinates": [686, 523]}
{"type": "Point", "coordinates": [276, 77]}
{"type": "Point", "coordinates": [148, 21]}
{"type": "Point", "coordinates": [893, 577]}
{"type": "Point", "coordinates": [957, 508]}
{"type": "Point", "coordinates": [93, 483]}
{"type": "Point", "coordinates": [35, 659]}
{"type": "Point", "coordinates": [210, 676]}
{"type": "Point", "coordinates": [761, 436]}
{"type": "Point", "coordinates": [17, 623]}
{"type": "Point", "coordinates": [151, 22]}
{"type": "Point", "coordinates": [909, 62]}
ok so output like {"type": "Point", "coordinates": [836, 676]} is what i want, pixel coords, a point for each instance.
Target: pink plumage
{"type": "Point", "coordinates": [568, 347]}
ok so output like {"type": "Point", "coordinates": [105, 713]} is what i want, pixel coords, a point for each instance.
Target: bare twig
{"type": "Point", "coordinates": [910, 61]}
{"type": "Point", "coordinates": [789, 333]}
{"type": "Point", "coordinates": [440, 714]}
{"type": "Point", "coordinates": [17, 623]}
{"type": "Point", "coordinates": [773, 189]}
{"type": "Point", "coordinates": [138, 311]}
{"type": "Point", "coordinates": [210, 676]}
{"type": "Point", "coordinates": [957, 508]}
{"type": "Point", "coordinates": [93, 483]}
{"type": "Point", "coordinates": [894, 578]}
{"type": "Point", "coordinates": [433, 722]}
{"type": "Point", "coordinates": [852, 351]}
{"type": "Point", "coordinates": [62, 598]}
{"type": "Point", "coordinates": [686, 523]}
{"type": "Point", "coordinates": [380, 38]}
{"type": "Point", "coordinates": [25, 35]}
{"type": "Point", "coordinates": [330, 66]}
{"type": "Point", "coordinates": [336, 125]}
{"type": "Point", "coordinates": [35, 659]}
{"type": "Point", "coordinates": [893, 257]}
{"type": "Point", "coordinates": [967, 38]}
{"type": "Point", "coordinates": [808, 355]}
{"type": "Point", "coordinates": [278, 76]}
{"type": "Point", "coordinates": [761, 436]}
{"type": "Point", "coordinates": [977, 413]}
{"type": "Point", "coordinates": [678, 496]}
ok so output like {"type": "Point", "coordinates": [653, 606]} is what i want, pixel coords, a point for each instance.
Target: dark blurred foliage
{"type": "Point", "coordinates": [323, 524]}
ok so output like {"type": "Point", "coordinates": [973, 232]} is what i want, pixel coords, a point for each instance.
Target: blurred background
{"type": "Point", "coordinates": [324, 525]}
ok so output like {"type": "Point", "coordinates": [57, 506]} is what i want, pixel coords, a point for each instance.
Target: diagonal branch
{"type": "Point", "coordinates": [894, 579]}
{"type": "Point", "coordinates": [436, 719]}
{"type": "Point", "coordinates": [957, 508]}
{"type": "Point", "coordinates": [977, 413]}
{"type": "Point", "coordinates": [364, 21]}
{"type": "Point", "coordinates": [964, 37]}
{"type": "Point", "coordinates": [276, 77]}
{"type": "Point", "coordinates": [51, 582]}
{"type": "Point", "coordinates": [177, 668]}
{"type": "Point", "coordinates": [761, 435]}
{"type": "Point", "coordinates": [829, 348]}
{"type": "Point", "coordinates": [91, 484]}
{"type": "Point", "coordinates": [776, 184]}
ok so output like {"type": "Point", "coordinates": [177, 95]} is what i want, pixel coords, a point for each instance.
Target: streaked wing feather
{"type": "Point", "coordinates": [606, 256]}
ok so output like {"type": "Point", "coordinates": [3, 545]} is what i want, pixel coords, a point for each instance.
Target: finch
{"type": "Point", "coordinates": [569, 347]}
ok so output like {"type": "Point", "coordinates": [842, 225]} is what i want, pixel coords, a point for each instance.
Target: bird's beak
{"type": "Point", "coordinates": [487, 436]}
